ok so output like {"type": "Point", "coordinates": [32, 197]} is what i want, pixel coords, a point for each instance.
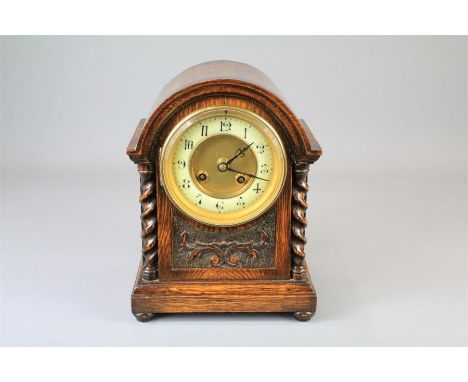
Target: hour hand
{"type": "Point", "coordinates": [245, 173]}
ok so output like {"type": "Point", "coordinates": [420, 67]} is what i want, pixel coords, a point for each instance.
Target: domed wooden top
{"type": "Point", "coordinates": [228, 78]}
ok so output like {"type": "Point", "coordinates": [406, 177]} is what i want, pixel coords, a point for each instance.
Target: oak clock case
{"type": "Point", "coordinates": [223, 165]}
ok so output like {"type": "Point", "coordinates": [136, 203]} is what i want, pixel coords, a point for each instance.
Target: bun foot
{"type": "Point", "coordinates": [303, 316]}
{"type": "Point", "coordinates": [144, 317]}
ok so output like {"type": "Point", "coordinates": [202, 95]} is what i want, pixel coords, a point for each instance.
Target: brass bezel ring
{"type": "Point", "coordinates": [201, 215]}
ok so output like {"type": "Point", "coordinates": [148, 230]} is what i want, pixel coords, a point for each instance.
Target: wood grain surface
{"type": "Point", "coordinates": [279, 286]}
{"type": "Point", "coordinates": [224, 79]}
{"type": "Point", "coordinates": [224, 296]}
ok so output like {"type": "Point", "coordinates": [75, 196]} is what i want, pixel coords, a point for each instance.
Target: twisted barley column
{"type": "Point", "coordinates": [149, 231]}
{"type": "Point", "coordinates": [299, 222]}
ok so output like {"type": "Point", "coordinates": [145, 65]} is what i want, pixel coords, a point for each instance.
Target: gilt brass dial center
{"type": "Point", "coordinates": [210, 157]}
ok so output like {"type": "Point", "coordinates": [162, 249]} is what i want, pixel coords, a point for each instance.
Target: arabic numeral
{"type": "Point", "coordinates": [240, 202]}
{"type": "Point", "coordinates": [181, 164]}
{"type": "Point", "coordinates": [225, 126]}
{"type": "Point", "coordinates": [186, 183]}
{"type": "Point", "coordinates": [219, 206]}
{"type": "Point", "coordinates": [261, 148]}
{"type": "Point", "coordinates": [188, 144]}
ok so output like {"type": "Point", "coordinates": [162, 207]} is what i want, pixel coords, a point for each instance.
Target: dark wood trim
{"type": "Point", "coordinates": [298, 219]}
{"type": "Point", "coordinates": [149, 229]}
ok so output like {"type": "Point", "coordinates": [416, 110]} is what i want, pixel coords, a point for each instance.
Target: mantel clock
{"type": "Point", "coordinates": [223, 164]}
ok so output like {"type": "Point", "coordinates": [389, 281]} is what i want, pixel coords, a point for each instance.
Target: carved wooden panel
{"type": "Point", "coordinates": [246, 247]}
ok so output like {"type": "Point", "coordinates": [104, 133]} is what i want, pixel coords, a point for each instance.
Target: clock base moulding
{"type": "Point", "coordinates": [243, 296]}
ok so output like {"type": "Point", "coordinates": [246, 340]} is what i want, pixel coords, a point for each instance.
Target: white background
{"type": "Point", "coordinates": [387, 235]}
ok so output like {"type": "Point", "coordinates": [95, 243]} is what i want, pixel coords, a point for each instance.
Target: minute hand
{"type": "Point", "coordinates": [239, 152]}
{"type": "Point", "coordinates": [245, 173]}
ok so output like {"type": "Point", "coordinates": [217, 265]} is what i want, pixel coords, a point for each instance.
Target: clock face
{"type": "Point", "coordinates": [223, 166]}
